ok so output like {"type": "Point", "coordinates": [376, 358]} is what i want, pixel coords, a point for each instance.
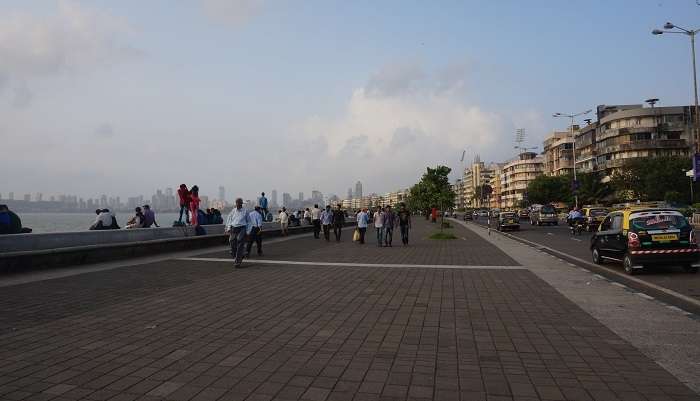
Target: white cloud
{"type": "Point", "coordinates": [232, 12]}
{"type": "Point", "coordinates": [73, 39]}
{"type": "Point", "coordinates": [403, 121]}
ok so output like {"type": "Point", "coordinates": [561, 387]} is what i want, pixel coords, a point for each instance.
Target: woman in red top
{"type": "Point", "coordinates": [184, 194]}
{"type": "Point", "coordinates": [194, 204]}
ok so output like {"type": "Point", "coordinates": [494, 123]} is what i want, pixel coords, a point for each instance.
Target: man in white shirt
{"type": "Point", "coordinates": [255, 229]}
{"type": "Point", "coordinates": [237, 224]}
{"type": "Point", "coordinates": [103, 221]}
{"type": "Point", "coordinates": [326, 221]}
{"type": "Point", "coordinates": [362, 222]}
{"type": "Point", "coordinates": [316, 221]}
{"type": "Point", "coordinates": [379, 225]}
{"type": "Point", "coordinates": [284, 221]}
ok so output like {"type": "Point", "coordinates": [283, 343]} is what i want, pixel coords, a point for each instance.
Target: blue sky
{"type": "Point", "coordinates": [126, 97]}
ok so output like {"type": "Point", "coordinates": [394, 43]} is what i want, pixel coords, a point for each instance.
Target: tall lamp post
{"type": "Point", "coordinates": [668, 29]}
{"type": "Point", "coordinates": [573, 148]}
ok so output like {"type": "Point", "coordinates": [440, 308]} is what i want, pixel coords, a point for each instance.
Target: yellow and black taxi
{"type": "Point", "coordinates": [646, 237]}
{"type": "Point", "coordinates": [508, 221]}
{"type": "Point", "coordinates": [594, 216]}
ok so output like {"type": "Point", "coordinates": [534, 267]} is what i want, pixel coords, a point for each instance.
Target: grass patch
{"type": "Point", "coordinates": [442, 235]}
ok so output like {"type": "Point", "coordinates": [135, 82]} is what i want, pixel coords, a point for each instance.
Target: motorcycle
{"type": "Point", "coordinates": [576, 226]}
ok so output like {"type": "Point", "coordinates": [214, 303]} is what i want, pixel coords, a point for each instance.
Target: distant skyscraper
{"type": "Point", "coordinates": [273, 198]}
{"type": "Point", "coordinates": [27, 197]}
{"type": "Point", "coordinates": [222, 193]}
{"type": "Point", "coordinates": [39, 197]}
{"type": "Point", "coordinates": [286, 199]}
{"type": "Point", "coordinates": [11, 196]}
{"type": "Point", "coordinates": [358, 189]}
{"type": "Point", "coordinates": [349, 193]}
{"type": "Point", "coordinates": [316, 195]}
{"type": "Point", "coordinates": [301, 196]}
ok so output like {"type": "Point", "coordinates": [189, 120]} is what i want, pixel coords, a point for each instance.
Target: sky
{"type": "Point", "coordinates": [127, 97]}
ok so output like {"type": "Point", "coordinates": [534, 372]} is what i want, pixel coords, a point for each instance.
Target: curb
{"type": "Point", "coordinates": [684, 302]}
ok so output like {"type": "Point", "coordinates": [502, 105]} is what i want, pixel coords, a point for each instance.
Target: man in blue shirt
{"type": "Point", "coordinates": [326, 221]}
{"type": "Point", "coordinates": [237, 225]}
{"type": "Point", "coordinates": [254, 229]}
{"type": "Point", "coordinates": [263, 205]}
{"type": "Point", "coordinates": [362, 222]}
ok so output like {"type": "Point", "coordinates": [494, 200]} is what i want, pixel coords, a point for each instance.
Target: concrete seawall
{"type": "Point", "coordinates": [25, 252]}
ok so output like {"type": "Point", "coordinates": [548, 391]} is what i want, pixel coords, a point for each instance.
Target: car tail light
{"type": "Point", "coordinates": [633, 241]}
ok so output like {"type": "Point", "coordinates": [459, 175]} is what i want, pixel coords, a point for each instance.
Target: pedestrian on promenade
{"type": "Point", "coordinates": [263, 205]}
{"type": "Point", "coordinates": [137, 220]}
{"type": "Point", "coordinates": [404, 223]}
{"type": "Point", "coordinates": [326, 221]}
{"type": "Point", "coordinates": [103, 221]}
{"type": "Point", "coordinates": [149, 217]}
{"type": "Point", "coordinates": [378, 220]}
{"type": "Point", "coordinates": [362, 222]}
{"type": "Point", "coordinates": [284, 221]}
{"type": "Point", "coordinates": [307, 216]}
{"type": "Point", "coordinates": [194, 205]}
{"type": "Point", "coordinates": [338, 222]}
{"type": "Point", "coordinates": [236, 226]}
{"type": "Point", "coordinates": [315, 215]}
{"type": "Point", "coordinates": [255, 231]}
{"type": "Point", "coordinates": [184, 194]}
{"type": "Point", "coordinates": [390, 220]}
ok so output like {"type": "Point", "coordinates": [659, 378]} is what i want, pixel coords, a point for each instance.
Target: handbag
{"type": "Point", "coordinates": [356, 235]}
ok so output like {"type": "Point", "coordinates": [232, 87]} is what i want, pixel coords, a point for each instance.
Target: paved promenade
{"type": "Point", "coordinates": [439, 320]}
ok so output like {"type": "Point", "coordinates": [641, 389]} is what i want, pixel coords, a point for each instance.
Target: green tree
{"type": "Point", "coordinates": [546, 189]}
{"type": "Point", "coordinates": [652, 179]}
{"type": "Point", "coordinates": [433, 190]}
{"type": "Point", "coordinates": [591, 188]}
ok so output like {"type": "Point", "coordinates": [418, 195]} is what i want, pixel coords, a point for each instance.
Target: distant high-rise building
{"type": "Point", "coordinates": [358, 189]}
{"type": "Point", "coordinates": [273, 197]}
{"type": "Point", "coordinates": [39, 197]}
{"type": "Point", "coordinates": [301, 196]}
{"type": "Point", "coordinates": [11, 196]}
{"type": "Point", "coordinates": [316, 195]}
{"type": "Point", "coordinates": [222, 193]}
{"type": "Point", "coordinates": [286, 199]}
{"type": "Point", "coordinates": [27, 197]}
{"type": "Point", "coordinates": [349, 193]}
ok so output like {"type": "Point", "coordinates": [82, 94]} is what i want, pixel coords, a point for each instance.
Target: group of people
{"type": "Point", "coordinates": [189, 204]}
{"type": "Point", "coordinates": [384, 219]}
{"type": "Point", "coordinates": [142, 218]}
{"type": "Point", "coordinates": [322, 220]}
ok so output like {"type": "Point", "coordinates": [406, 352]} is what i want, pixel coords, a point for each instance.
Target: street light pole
{"type": "Point", "coordinates": [573, 145]}
{"type": "Point", "coordinates": [689, 32]}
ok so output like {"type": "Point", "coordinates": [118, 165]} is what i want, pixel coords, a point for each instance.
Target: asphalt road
{"type": "Point", "coordinates": [560, 239]}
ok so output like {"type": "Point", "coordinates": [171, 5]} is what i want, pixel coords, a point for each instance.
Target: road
{"type": "Point", "coordinates": [560, 239]}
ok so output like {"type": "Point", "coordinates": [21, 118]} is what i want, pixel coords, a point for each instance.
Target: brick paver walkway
{"type": "Point", "coordinates": [280, 332]}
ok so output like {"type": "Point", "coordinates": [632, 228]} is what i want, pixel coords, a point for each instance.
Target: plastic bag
{"type": "Point", "coordinates": [356, 235]}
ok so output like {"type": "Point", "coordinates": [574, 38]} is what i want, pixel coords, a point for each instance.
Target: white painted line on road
{"type": "Point", "coordinates": [615, 283]}
{"type": "Point", "coordinates": [677, 309]}
{"type": "Point", "coordinates": [550, 234]}
{"type": "Point", "coordinates": [347, 264]}
{"type": "Point", "coordinates": [576, 239]}
{"type": "Point", "coordinates": [643, 295]}
{"type": "Point", "coordinates": [599, 277]}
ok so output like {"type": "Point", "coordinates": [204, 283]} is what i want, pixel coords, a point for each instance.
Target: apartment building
{"type": "Point", "coordinates": [558, 153]}
{"type": "Point", "coordinates": [585, 148]}
{"type": "Point", "coordinates": [515, 177]}
{"type": "Point", "coordinates": [473, 178]}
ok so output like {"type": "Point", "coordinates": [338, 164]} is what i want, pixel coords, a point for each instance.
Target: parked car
{"type": "Point", "coordinates": [545, 214]}
{"type": "Point", "coordinates": [646, 237]}
{"type": "Point", "coordinates": [508, 221]}
{"type": "Point", "coordinates": [594, 216]}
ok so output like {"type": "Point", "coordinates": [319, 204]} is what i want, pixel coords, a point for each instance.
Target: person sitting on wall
{"type": "Point", "coordinates": [136, 221]}
{"type": "Point", "coordinates": [216, 217]}
{"type": "Point", "coordinates": [103, 221]}
{"type": "Point", "coordinates": [149, 217]}
{"type": "Point", "coordinates": [10, 223]}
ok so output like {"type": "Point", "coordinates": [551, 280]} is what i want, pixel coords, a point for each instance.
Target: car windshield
{"type": "Point", "coordinates": [598, 212]}
{"type": "Point", "coordinates": [548, 209]}
{"type": "Point", "coordinates": [507, 215]}
{"type": "Point", "coordinates": [658, 221]}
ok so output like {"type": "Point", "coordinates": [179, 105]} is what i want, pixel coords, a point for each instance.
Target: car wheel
{"type": "Point", "coordinates": [627, 264]}
{"type": "Point", "coordinates": [595, 253]}
{"type": "Point", "coordinates": [690, 268]}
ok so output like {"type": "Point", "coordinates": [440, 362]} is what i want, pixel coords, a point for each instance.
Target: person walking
{"type": "Point", "coordinates": [362, 222]}
{"type": "Point", "coordinates": [194, 205]}
{"type": "Point", "coordinates": [404, 223]}
{"type": "Point", "coordinates": [379, 225]}
{"type": "Point", "coordinates": [236, 225]}
{"type": "Point", "coordinates": [315, 215]}
{"type": "Point", "coordinates": [326, 221]}
{"type": "Point", "coordinates": [255, 230]}
{"type": "Point", "coordinates": [389, 224]}
{"type": "Point", "coordinates": [284, 221]}
{"type": "Point", "coordinates": [263, 205]}
{"type": "Point", "coordinates": [184, 194]}
{"type": "Point", "coordinates": [338, 222]}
